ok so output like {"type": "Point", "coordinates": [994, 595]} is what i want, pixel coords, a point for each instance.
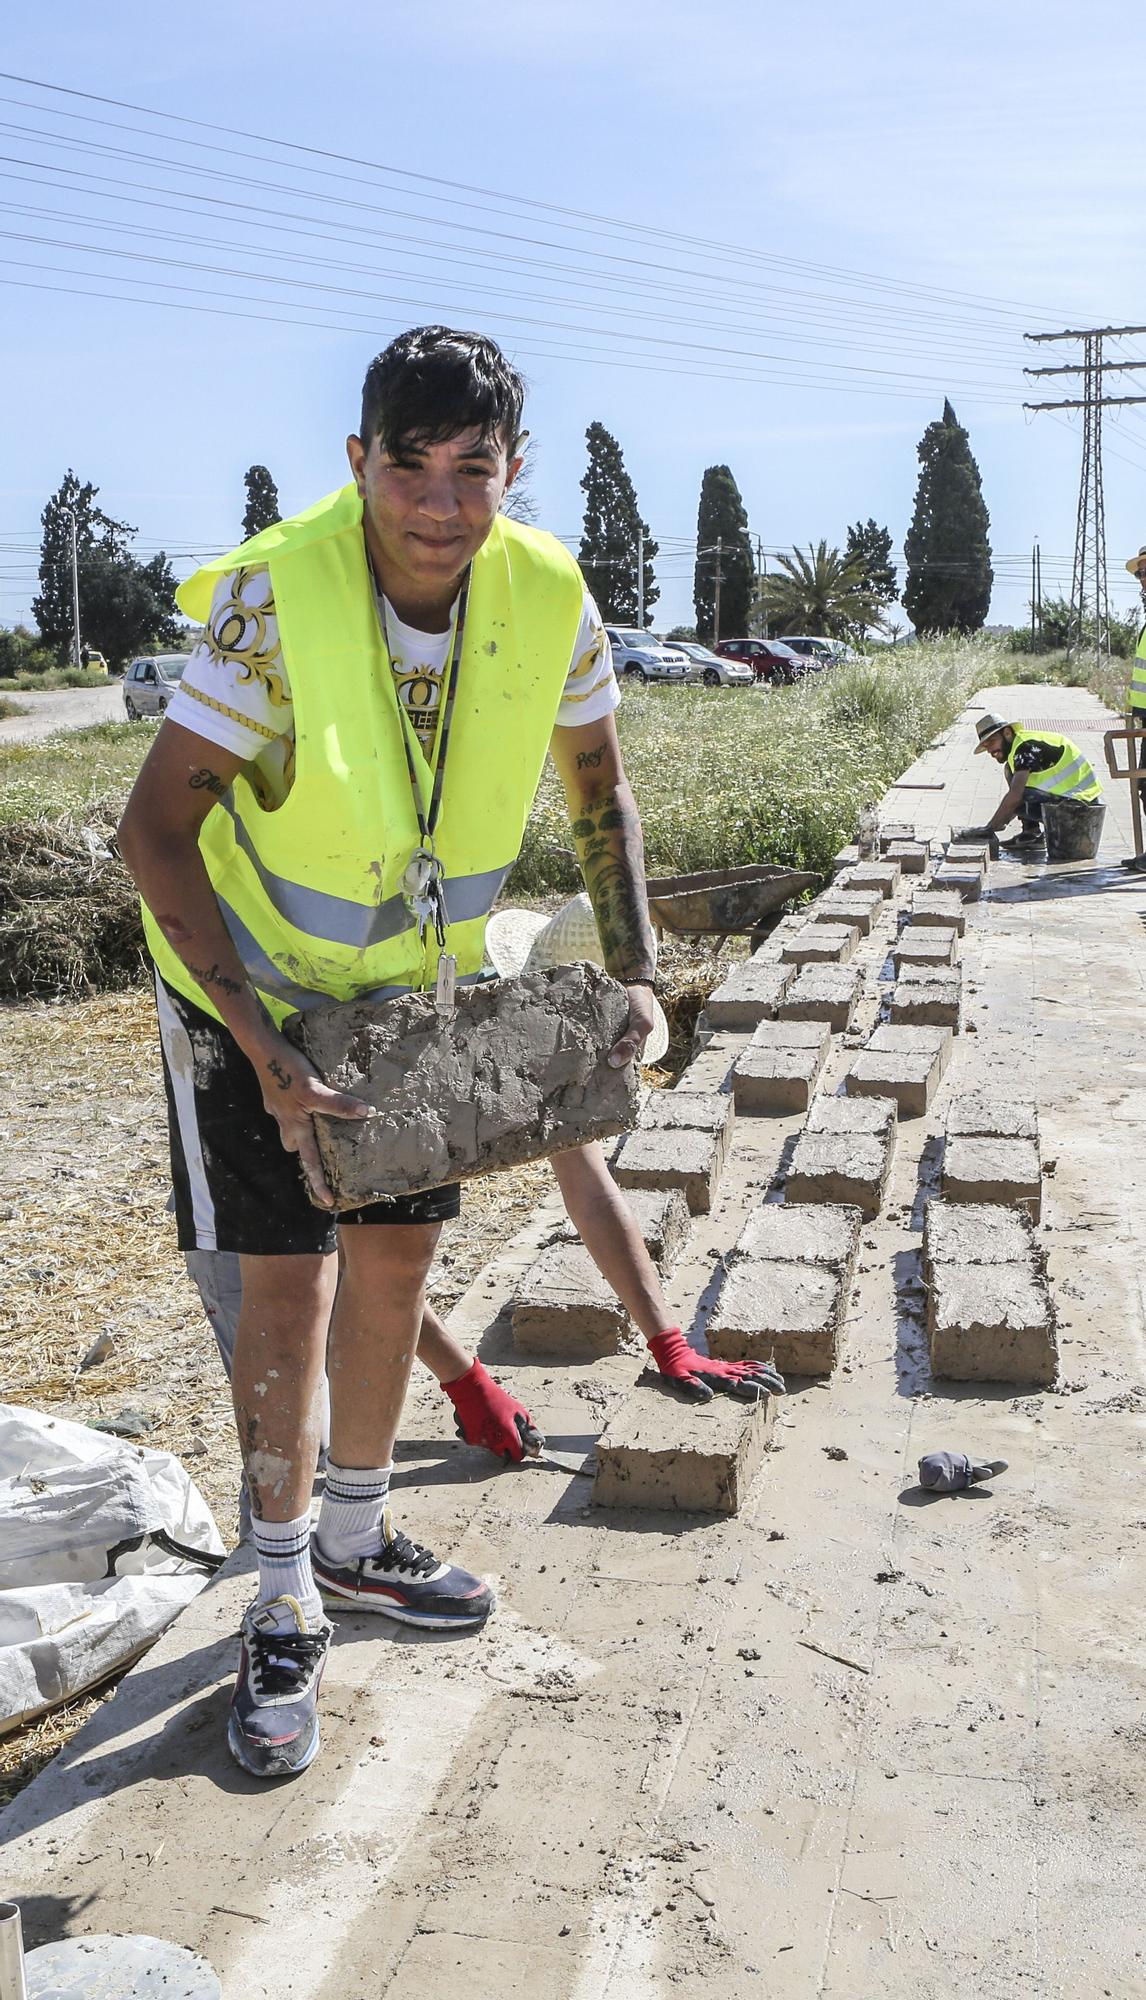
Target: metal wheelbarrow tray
{"type": "Point", "coordinates": [724, 901]}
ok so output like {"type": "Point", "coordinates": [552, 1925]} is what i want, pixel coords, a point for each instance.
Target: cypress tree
{"type": "Point", "coordinates": [868, 552]}
{"type": "Point", "coordinates": [721, 518]}
{"type": "Point", "coordinates": [949, 574]}
{"type": "Point", "coordinates": [262, 501]}
{"type": "Point", "coordinates": [609, 539]}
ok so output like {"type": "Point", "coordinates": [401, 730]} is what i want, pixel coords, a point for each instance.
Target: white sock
{"type": "Point", "coordinates": [283, 1550]}
{"type": "Point", "coordinates": [350, 1524]}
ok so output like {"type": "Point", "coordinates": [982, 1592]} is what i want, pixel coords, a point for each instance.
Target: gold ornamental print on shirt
{"type": "Point", "coordinates": [242, 633]}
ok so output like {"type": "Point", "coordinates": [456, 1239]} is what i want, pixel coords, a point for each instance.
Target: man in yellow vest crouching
{"type": "Point", "coordinates": [332, 804]}
{"type": "Point", "coordinates": [1041, 765]}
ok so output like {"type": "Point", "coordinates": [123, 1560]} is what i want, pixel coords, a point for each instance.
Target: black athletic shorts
{"type": "Point", "coordinates": [236, 1186]}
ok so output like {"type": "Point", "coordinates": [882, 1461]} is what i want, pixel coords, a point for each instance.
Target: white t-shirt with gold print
{"type": "Point", "coordinates": [236, 693]}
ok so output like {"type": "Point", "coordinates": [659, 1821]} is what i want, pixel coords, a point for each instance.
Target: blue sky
{"type": "Point", "coordinates": [900, 193]}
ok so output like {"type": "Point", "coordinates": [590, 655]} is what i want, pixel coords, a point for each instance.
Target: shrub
{"type": "Point", "coordinates": [23, 653]}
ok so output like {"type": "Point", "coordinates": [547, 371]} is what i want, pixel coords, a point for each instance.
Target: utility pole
{"type": "Point", "coordinates": [716, 604]}
{"type": "Point", "coordinates": [70, 512]}
{"type": "Point", "coordinates": [1034, 565]}
{"type": "Point", "coordinates": [1039, 587]}
{"type": "Point", "coordinates": [1090, 522]}
{"type": "Point", "coordinates": [641, 579]}
{"type": "Point", "coordinates": [761, 573]}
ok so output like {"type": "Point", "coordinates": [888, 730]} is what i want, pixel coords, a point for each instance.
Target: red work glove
{"type": "Point", "coordinates": [699, 1377]}
{"type": "Point", "coordinates": [489, 1416]}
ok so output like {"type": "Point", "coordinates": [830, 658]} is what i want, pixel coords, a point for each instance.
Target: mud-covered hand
{"type": "Point", "coordinates": [293, 1092]}
{"type": "Point", "coordinates": [699, 1377]}
{"type": "Point", "coordinates": [487, 1415]}
{"type": "Point", "coordinates": [630, 1045]}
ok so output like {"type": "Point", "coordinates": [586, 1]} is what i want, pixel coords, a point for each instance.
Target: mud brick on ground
{"type": "Point", "coordinates": [993, 1170]}
{"type": "Point", "coordinates": [991, 1115]}
{"type": "Point", "coordinates": [828, 993]}
{"type": "Point", "coordinates": [930, 974]}
{"type": "Point", "coordinates": [565, 1308]}
{"type": "Point", "coordinates": [521, 1070]}
{"type": "Point", "coordinates": [967, 883]}
{"type": "Point", "coordinates": [860, 907]}
{"type": "Point", "coordinates": [912, 856]}
{"type": "Point", "coordinates": [848, 1169]}
{"type": "Point", "coordinates": [929, 1003]}
{"type": "Point", "coordinates": [964, 1233]}
{"type": "Point", "coordinates": [661, 1215]}
{"type": "Point", "coordinates": [894, 832]}
{"type": "Point", "coordinates": [939, 906]}
{"type": "Point", "coordinates": [991, 1323]}
{"type": "Point", "coordinates": [691, 1111]}
{"type": "Point", "coordinates": [904, 1063]}
{"type": "Point", "coordinates": [877, 1117]}
{"type": "Point", "coordinates": [751, 993]}
{"type": "Point", "coordinates": [771, 1309]}
{"type": "Point", "coordinates": [778, 1233]}
{"type": "Point", "coordinates": [779, 1069]}
{"type": "Point", "coordinates": [660, 1452]}
{"type": "Point", "coordinates": [689, 1160]}
{"type": "Point", "coordinates": [969, 854]}
{"type": "Point", "coordinates": [924, 944]}
{"type": "Point", "coordinates": [827, 944]}
{"type": "Point", "coordinates": [881, 875]}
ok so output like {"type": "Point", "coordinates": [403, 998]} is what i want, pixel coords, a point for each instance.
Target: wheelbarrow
{"type": "Point", "coordinates": [724, 902]}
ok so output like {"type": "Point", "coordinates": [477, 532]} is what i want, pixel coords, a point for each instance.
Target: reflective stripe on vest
{"type": "Point", "coordinates": [1138, 674]}
{"type": "Point", "coordinates": [311, 892]}
{"type": "Point", "coordinates": [1071, 777]}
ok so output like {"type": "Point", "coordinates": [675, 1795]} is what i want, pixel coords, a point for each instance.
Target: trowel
{"type": "Point", "coordinates": [559, 1461]}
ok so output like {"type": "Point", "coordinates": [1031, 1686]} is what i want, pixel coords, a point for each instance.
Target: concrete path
{"type": "Point", "coordinates": [62, 708]}
{"type": "Point", "coordinates": [856, 1742]}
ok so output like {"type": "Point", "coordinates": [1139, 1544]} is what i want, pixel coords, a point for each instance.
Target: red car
{"type": "Point", "coordinates": [769, 659]}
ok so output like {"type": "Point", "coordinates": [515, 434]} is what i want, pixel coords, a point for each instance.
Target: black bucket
{"type": "Point", "coordinates": [1073, 829]}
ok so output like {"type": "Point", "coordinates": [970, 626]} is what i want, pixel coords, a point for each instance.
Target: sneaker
{"type": "Point", "coordinates": [1033, 837]}
{"type": "Point", "coordinates": [405, 1582]}
{"type": "Point", "coordinates": [272, 1730]}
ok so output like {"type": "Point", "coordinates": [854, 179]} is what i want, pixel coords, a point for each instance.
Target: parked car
{"type": "Point", "coordinates": [149, 683]}
{"type": "Point", "coordinates": [709, 667]}
{"type": "Point", "coordinates": [770, 659]}
{"type": "Point", "coordinates": [643, 657]}
{"type": "Point", "coordinates": [819, 652]}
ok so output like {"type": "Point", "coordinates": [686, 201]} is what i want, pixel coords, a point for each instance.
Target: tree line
{"type": "Point", "coordinates": [838, 593]}
{"type": "Point", "coordinates": [127, 605]}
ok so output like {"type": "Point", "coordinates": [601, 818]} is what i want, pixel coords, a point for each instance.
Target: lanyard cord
{"type": "Point", "coordinates": [427, 823]}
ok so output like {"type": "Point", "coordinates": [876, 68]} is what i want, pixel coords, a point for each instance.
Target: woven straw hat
{"type": "Point", "coordinates": [525, 941]}
{"type": "Point", "coordinates": [987, 727]}
{"type": "Point", "coordinates": [1137, 562]}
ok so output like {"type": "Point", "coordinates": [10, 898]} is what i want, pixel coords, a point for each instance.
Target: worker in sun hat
{"type": "Point", "coordinates": [1136, 695]}
{"type": "Point", "coordinates": [1041, 765]}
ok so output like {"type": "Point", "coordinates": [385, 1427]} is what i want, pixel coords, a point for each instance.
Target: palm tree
{"type": "Point", "coordinates": [820, 593]}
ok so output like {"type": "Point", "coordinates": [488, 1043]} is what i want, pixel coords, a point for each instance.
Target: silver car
{"type": "Point", "coordinates": [641, 657]}
{"type": "Point", "coordinates": [707, 666]}
{"type": "Point", "coordinates": [150, 682]}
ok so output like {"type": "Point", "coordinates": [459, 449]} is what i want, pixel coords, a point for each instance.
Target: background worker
{"type": "Point", "coordinates": [1041, 765]}
{"type": "Point", "coordinates": [1136, 699]}
{"type": "Point", "coordinates": [409, 652]}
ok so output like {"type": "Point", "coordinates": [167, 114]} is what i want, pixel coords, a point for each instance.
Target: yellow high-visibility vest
{"type": "Point", "coordinates": [1138, 674]}
{"type": "Point", "coordinates": [1070, 777]}
{"type": "Point", "coordinates": [310, 893]}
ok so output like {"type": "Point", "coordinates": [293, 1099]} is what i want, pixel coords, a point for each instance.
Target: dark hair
{"type": "Point", "coordinates": [432, 383]}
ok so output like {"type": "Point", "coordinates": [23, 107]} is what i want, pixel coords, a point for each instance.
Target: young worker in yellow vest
{"type": "Point", "coordinates": [1041, 765]}
{"type": "Point", "coordinates": [1136, 697]}
{"type": "Point", "coordinates": [426, 652]}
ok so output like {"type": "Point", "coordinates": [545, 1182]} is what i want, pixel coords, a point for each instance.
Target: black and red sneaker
{"type": "Point", "coordinates": [272, 1729]}
{"type": "Point", "coordinates": [405, 1582]}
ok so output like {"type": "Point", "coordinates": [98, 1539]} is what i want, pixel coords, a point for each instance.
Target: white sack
{"type": "Point", "coordinates": [68, 1495]}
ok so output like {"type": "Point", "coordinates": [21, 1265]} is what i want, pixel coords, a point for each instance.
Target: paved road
{"type": "Point", "coordinates": [61, 708]}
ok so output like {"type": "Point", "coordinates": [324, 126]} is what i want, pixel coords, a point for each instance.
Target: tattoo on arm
{"type": "Point", "coordinates": [589, 760]}
{"type": "Point", "coordinates": [282, 1076]}
{"type": "Point", "coordinates": [213, 977]}
{"type": "Point", "coordinates": [607, 836]}
{"type": "Point", "coordinates": [207, 781]}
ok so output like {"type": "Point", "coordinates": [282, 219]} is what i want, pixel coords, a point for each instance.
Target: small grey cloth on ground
{"type": "Point", "coordinates": [950, 1471]}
